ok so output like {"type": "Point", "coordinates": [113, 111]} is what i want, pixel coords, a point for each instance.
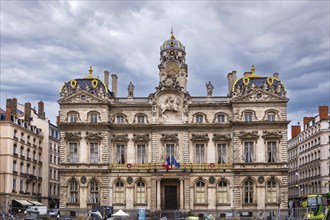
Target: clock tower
{"type": "Point", "coordinates": [172, 67]}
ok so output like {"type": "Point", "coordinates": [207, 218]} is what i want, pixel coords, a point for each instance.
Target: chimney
{"type": "Point", "coordinates": [106, 78]}
{"type": "Point", "coordinates": [114, 78]}
{"type": "Point", "coordinates": [295, 130]}
{"type": "Point", "coordinates": [27, 112]}
{"type": "Point", "coordinates": [307, 119]}
{"type": "Point", "coordinates": [276, 75]}
{"type": "Point", "coordinates": [231, 80]}
{"type": "Point", "coordinates": [14, 107]}
{"type": "Point", "coordinates": [323, 112]}
{"type": "Point", "coordinates": [8, 109]}
{"type": "Point", "coordinates": [41, 112]}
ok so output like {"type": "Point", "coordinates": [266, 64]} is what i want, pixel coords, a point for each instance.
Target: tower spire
{"type": "Point", "coordinates": [172, 36]}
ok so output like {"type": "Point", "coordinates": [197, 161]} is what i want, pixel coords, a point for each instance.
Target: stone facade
{"type": "Point", "coordinates": [309, 154]}
{"type": "Point", "coordinates": [173, 151]}
{"type": "Point", "coordinates": [26, 158]}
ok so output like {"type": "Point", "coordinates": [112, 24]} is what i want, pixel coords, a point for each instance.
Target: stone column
{"type": "Point", "coordinates": [158, 194]}
{"type": "Point", "coordinates": [181, 194]}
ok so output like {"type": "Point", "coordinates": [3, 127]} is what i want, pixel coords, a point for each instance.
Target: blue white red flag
{"type": "Point", "coordinates": [167, 165]}
{"type": "Point", "coordinates": [175, 163]}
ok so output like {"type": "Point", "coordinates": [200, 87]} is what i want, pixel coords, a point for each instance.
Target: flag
{"type": "Point", "coordinates": [167, 165]}
{"type": "Point", "coordinates": [177, 164]}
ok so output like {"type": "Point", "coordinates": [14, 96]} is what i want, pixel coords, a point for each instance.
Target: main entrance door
{"type": "Point", "coordinates": [171, 197]}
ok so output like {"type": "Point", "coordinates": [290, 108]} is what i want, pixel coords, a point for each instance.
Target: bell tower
{"type": "Point", "coordinates": [173, 67]}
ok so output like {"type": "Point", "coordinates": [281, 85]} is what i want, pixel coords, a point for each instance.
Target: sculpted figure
{"type": "Point", "coordinates": [265, 86]}
{"type": "Point", "coordinates": [238, 89]}
{"type": "Point", "coordinates": [130, 89]}
{"type": "Point", "coordinates": [64, 91]}
{"type": "Point", "coordinates": [209, 88]}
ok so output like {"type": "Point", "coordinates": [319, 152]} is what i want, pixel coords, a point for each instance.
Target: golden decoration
{"type": "Point", "coordinates": [270, 80]}
{"type": "Point", "coordinates": [73, 83]}
{"type": "Point", "coordinates": [172, 43]}
{"type": "Point", "coordinates": [246, 80]}
{"type": "Point", "coordinates": [253, 69]}
{"type": "Point", "coordinates": [95, 83]}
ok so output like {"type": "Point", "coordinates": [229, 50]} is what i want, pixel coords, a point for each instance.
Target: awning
{"type": "Point", "coordinates": [23, 202]}
{"type": "Point", "coordinates": [35, 202]}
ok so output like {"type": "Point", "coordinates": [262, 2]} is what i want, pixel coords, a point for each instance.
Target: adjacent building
{"type": "Point", "coordinates": [24, 152]}
{"type": "Point", "coordinates": [168, 151]}
{"type": "Point", "coordinates": [309, 156]}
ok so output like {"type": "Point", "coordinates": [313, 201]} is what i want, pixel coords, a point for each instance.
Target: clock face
{"type": "Point", "coordinates": [172, 69]}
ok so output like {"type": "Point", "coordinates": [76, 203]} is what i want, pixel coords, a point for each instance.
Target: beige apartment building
{"type": "Point", "coordinates": [309, 156]}
{"type": "Point", "coordinates": [24, 153]}
{"type": "Point", "coordinates": [173, 152]}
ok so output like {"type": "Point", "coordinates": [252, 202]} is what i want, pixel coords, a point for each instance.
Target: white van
{"type": "Point", "coordinates": [41, 210]}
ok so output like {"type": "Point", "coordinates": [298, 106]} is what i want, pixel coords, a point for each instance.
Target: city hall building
{"type": "Point", "coordinates": [170, 151]}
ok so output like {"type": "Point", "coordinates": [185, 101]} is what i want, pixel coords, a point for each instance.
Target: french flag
{"type": "Point", "coordinates": [175, 163]}
{"type": "Point", "coordinates": [167, 165]}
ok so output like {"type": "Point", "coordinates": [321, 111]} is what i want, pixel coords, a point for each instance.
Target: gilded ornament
{"type": "Point", "coordinates": [94, 83]}
{"type": "Point", "coordinates": [73, 83]}
{"type": "Point", "coordinates": [246, 80]}
{"type": "Point", "coordinates": [270, 80]}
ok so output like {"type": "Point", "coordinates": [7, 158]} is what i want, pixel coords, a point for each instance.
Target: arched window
{"type": "Point", "coordinates": [272, 193]}
{"type": "Point", "coordinates": [94, 192]}
{"type": "Point", "coordinates": [73, 191]}
{"type": "Point", "coordinates": [223, 197]}
{"type": "Point", "coordinates": [140, 190]}
{"type": "Point", "coordinates": [119, 193]}
{"type": "Point", "coordinates": [248, 192]}
{"type": "Point", "coordinates": [200, 192]}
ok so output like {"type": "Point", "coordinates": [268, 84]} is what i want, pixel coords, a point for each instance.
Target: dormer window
{"type": "Point", "coordinates": [120, 119]}
{"type": "Point", "coordinates": [199, 118]}
{"type": "Point", "coordinates": [73, 118]}
{"type": "Point", "coordinates": [248, 116]}
{"type": "Point", "coordinates": [271, 116]}
{"type": "Point", "coordinates": [140, 119]}
{"type": "Point", "coordinates": [93, 117]}
{"type": "Point", "coordinates": [220, 118]}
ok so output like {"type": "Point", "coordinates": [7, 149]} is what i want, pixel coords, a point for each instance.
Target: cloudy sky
{"type": "Point", "coordinates": [46, 43]}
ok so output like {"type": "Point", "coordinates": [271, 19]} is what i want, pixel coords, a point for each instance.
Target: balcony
{"type": "Point", "coordinates": [184, 166]}
{"type": "Point", "coordinates": [22, 141]}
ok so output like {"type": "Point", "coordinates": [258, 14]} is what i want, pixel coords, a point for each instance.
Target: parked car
{"type": "Point", "coordinates": [54, 213]}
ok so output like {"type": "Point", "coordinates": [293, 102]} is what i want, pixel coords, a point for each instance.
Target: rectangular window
{"type": "Point", "coordinates": [94, 118]}
{"type": "Point", "coordinates": [271, 116]}
{"type": "Point", "coordinates": [50, 173]}
{"type": "Point", "coordinates": [199, 118]}
{"type": "Point", "coordinates": [21, 185]}
{"type": "Point", "coordinates": [120, 154]}
{"type": "Point", "coordinates": [140, 119]}
{"type": "Point", "coordinates": [220, 118]}
{"type": "Point", "coordinates": [33, 187]}
{"type": "Point", "coordinates": [22, 151]}
{"type": "Point", "coordinates": [27, 187]}
{"type": "Point", "coordinates": [222, 153]}
{"type": "Point", "coordinates": [169, 150]}
{"type": "Point", "coordinates": [120, 119]}
{"type": "Point", "coordinates": [34, 170]}
{"type": "Point", "coordinates": [14, 184]}
{"type": "Point", "coordinates": [27, 169]}
{"type": "Point", "coordinates": [94, 152]}
{"type": "Point", "coordinates": [73, 152]}
{"type": "Point", "coordinates": [248, 152]}
{"type": "Point", "coordinates": [40, 171]}
{"type": "Point", "coordinates": [248, 116]}
{"type": "Point", "coordinates": [248, 192]}
{"type": "Point", "coordinates": [141, 153]}
{"type": "Point", "coordinates": [73, 118]}
{"type": "Point", "coordinates": [271, 152]}
{"type": "Point", "coordinates": [200, 153]}
{"type": "Point", "coordinates": [14, 166]}
{"type": "Point", "coordinates": [15, 149]}
{"type": "Point", "coordinates": [21, 168]}
{"type": "Point", "coordinates": [50, 158]}
{"type": "Point", "coordinates": [34, 155]}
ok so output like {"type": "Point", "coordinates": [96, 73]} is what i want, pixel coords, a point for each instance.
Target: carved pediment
{"type": "Point", "coordinates": [200, 137]}
{"type": "Point", "coordinates": [93, 136]}
{"type": "Point", "coordinates": [120, 138]}
{"type": "Point", "coordinates": [259, 95]}
{"type": "Point", "coordinates": [271, 134]}
{"type": "Point", "coordinates": [141, 137]}
{"type": "Point", "coordinates": [82, 97]}
{"type": "Point", "coordinates": [72, 136]}
{"type": "Point", "coordinates": [248, 135]}
{"type": "Point", "coordinates": [221, 137]}
{"type": "Point", "coordinates": [169, 137]}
